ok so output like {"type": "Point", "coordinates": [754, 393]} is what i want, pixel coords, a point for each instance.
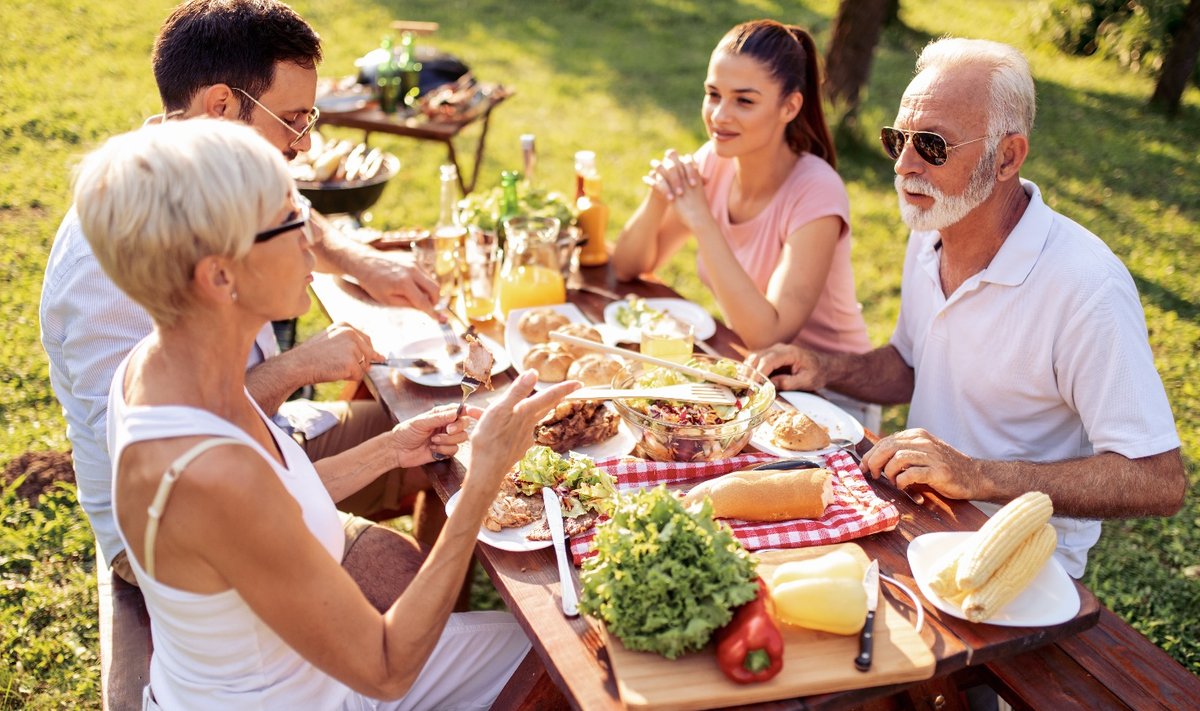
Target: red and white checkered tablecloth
{"type": "Point", "coordinates": [856, 510]}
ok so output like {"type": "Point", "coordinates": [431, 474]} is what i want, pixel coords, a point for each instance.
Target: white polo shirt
{"type": "Point", "coordinates": [1042, 356]}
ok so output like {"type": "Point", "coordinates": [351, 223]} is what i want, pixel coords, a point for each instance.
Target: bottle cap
{"type": "Point", "coordinates": [585, 162]}
{"type": "Point", "coordinates": [448, 172]}
{"type": "Point", "coordinates": [527, 141]}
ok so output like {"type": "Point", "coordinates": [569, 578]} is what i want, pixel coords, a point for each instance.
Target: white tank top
{"type": "Point", "coordinates": [212, 651]}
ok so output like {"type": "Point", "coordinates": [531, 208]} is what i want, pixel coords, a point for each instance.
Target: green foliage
{"type": "Point", "coordinates": [48, 625]}
{"type": "Point", "coordinates": [1136, 33]}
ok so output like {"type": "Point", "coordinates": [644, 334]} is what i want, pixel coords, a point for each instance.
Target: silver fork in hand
{"type": "Point", "coordinates": [469, 384]}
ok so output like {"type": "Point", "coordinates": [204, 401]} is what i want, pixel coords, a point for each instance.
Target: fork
{"type": "Point", "coordinates": [452, 345]}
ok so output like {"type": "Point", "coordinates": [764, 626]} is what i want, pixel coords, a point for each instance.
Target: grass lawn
{"type": "Point", "coordinates": [623, 79]}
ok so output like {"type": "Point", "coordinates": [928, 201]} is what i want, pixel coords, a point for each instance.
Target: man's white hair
{"type": "Point", "coordinates": [155, 201]}
{"type": "Point", "coordinates": [1012, 96]}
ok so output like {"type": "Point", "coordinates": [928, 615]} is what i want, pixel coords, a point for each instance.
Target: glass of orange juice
{"type": "Point", "coordinates": [530, 275]}
{"type": "Point", "coordinates": [668, 339]}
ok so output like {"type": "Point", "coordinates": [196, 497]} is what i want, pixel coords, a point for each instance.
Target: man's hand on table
{"type": "Point", "coordinates": [804, 369]}
{"type": "Point", "coordinates": [438, 431]}
{"type": "Point", "coordinates": [913, 457]}
{"type": "Point", "coordinates": [389, 278]}
{"type": "Point", "coordinates": [340, 352]}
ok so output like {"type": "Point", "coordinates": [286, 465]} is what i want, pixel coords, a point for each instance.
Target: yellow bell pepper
{"type": "Point", "coordinates": [823, 593]}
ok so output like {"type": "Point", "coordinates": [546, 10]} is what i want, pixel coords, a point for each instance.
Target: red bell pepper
{"type": "Point", "coordinates": [750, 647]}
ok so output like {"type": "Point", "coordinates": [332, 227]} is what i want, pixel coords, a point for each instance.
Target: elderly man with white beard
{"type": "Point", "coordinates": [1021, 343]}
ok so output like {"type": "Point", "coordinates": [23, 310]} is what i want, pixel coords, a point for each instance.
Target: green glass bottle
{"type": "Point", "coordinates": [387, 80]}
{"type": "Point", "coordinates": [509, 205]}
{"type": "Point", "coordinates": [409, 70]}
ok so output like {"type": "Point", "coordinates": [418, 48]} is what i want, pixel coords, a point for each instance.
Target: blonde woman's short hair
{"type": "Point", "coordinates": [1012, 95]}
{"type": "Point", "coordinates": [155, 201]}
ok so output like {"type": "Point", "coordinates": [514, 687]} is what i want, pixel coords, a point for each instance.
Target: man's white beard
{"type": "Point", "coordinates": [946, 210]}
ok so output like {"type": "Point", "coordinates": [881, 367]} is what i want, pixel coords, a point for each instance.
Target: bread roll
{"type": "Point", "coordinates": [594, 369]}
{"type": "Point", "coordinates": [767, 494]}
{"type": "Point", "coordinates": [550, 360]}
{"type": "Point", "coordinates": [535, 326]}
{"type": "Point", "coordinates": [797, 431]}
{"type": "Point", "coordinates": [579, 330]}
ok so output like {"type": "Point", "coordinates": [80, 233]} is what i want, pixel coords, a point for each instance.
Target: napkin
{"type": "Point", "coordinates": [856, 510]}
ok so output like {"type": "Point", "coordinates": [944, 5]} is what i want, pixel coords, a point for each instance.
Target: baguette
{"type": "Point", "coordinates": [767, 495]}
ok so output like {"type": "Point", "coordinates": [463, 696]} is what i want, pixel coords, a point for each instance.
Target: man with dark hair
{"type": "Point", "coordinates": [252, 61]}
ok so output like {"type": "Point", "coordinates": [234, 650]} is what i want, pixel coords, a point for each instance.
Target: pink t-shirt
{"type": "Point", "coordinates": [813, 190]}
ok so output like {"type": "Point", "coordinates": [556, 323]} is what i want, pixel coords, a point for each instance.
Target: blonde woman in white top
{"type": "Point", "coordinates": [230, 533]}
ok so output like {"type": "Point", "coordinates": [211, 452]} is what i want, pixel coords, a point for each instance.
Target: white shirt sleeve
{"type": "Point", "coordinates": [88, 326]}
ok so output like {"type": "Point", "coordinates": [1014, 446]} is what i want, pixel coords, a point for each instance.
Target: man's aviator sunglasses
{"type": "Point", "coordinates": [300, 222]}
{"type": "Point", "coordinates": [310, 119]}
{"type": "Point", "coordinates": [932, 148]}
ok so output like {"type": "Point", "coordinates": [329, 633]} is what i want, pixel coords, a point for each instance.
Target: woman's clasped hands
{"type": "Point", "coordinates": [677, 179]}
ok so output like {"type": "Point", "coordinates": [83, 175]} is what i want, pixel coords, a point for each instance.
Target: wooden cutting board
{"type": "Point", "coordinates": [813, 662]}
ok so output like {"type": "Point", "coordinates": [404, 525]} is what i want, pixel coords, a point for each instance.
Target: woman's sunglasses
{"type": "Point", "coordinates": [299, 221]}
{"type": "Point", "coordinates": [932, 148]}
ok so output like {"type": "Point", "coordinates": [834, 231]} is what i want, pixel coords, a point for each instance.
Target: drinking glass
{"type": "Point", "coordinates": [568, 256]}
{"type": "Point", "coordinates": [668, 339]}
{"type": "Point", "coordinates": [481, 261]}
{"type": "Point", "coordinates": [438, 256]}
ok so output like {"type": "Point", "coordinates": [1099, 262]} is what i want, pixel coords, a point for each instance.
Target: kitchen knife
{"type": "Point", "coordinates": [866, 640]}
{"type": "Point", "coordinates": [566, 583]}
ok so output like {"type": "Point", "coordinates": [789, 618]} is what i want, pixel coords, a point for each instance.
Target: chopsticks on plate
{"type": "Point", "coordinates": [634, 355]}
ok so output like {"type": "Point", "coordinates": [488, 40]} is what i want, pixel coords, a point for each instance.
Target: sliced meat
{"type": "Point", "coordinates": [479, 361]}
{"type": "Point", "coordinates": [574, 423]}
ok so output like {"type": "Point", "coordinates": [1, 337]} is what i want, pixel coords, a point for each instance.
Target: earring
{"type": "Point", "coordinates": [233, 295]}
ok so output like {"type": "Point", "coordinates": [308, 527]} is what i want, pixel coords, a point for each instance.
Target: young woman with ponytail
{"type": "Point", "coordinates": [763, 200]}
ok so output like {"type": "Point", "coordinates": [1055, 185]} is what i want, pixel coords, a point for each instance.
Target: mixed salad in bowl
{"type": "Point", "coordinates": [670, 430]}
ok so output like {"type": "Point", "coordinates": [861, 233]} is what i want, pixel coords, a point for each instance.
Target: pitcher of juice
{"type": "Point", "coordinates": [530, 275]}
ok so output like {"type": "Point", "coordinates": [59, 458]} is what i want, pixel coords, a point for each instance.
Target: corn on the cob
{"type": "Point", "coordinates": [1000, 536]}
{"type": "Point", "coordinates": [1014, 576]}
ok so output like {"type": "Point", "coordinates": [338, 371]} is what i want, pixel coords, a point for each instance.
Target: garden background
{"type": "Point", "coordinates": [623, 79]}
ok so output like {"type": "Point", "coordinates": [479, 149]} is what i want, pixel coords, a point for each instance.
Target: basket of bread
{"type": "Point", "coordinates": [341, 176]}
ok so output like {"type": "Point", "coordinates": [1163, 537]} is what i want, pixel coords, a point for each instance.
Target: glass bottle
{"type": "Point", "coordinates": [448, 236]}
{"type": "Point", "coordinates": [509, 204]}
{"type": "Point", "coordinates": [387, 80]}
{"type": "Point", "coordinates": [529, 153]}
{"type": "Point", "coordinates": [593, 213]}
{"type": "Point", "coordinates": [409, 70]}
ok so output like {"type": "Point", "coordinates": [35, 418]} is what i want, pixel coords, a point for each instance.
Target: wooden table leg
{"type": "Point", "coordinates": [530, 689]}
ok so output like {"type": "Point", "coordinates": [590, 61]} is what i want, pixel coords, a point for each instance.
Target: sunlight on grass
{"type": "Point", "coordinates": [625, 80]}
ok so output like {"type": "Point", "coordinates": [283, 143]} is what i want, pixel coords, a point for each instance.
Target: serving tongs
{"type": "Point", "coordinates": [635, 355]}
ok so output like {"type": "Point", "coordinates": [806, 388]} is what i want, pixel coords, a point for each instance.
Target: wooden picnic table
{"type": "Point", "coordinates": [572, 651]}
{"type": "Point", "coordinates": [372, 120]}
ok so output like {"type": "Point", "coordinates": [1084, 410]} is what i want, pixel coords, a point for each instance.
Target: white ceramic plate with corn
{"type": "Point", "coordinates": [1049, 599]}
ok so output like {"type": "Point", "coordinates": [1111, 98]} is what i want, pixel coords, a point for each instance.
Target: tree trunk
{"type": "Point", "coordinates": [1179, 63]}
{"type": "Point", "coordinates": [856, 31]}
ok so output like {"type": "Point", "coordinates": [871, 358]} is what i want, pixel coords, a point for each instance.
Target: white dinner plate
{"type": "Point", "coordinates": [618, 445]}
{"type": "Point", "coordinates": [518, 347]}
{"type": "Point", "coordinates": [703, 324]}
{"type": "Point", "coordinates": [434, 349]}
{"type": "Point", "coordinates": [509, 539]}
{"type": "Point", "coordinates": [1050, 599]}
{"type": "Point", "coordinates": [841, 424]}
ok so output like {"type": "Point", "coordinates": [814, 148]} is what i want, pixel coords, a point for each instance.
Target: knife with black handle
{"type": "Point", "coordinates": [866, 640]}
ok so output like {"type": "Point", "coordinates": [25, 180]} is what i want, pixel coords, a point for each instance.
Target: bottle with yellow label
{"type": "Point", "coordinates": [593, 213]}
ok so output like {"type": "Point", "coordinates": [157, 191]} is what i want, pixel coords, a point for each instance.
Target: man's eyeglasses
{"type": "Point", "coordinates": [932, 148]}
{"type": "Point", "coordinates": [300, 222]}
{"type": "Point", "coordinates": [310, 119]}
